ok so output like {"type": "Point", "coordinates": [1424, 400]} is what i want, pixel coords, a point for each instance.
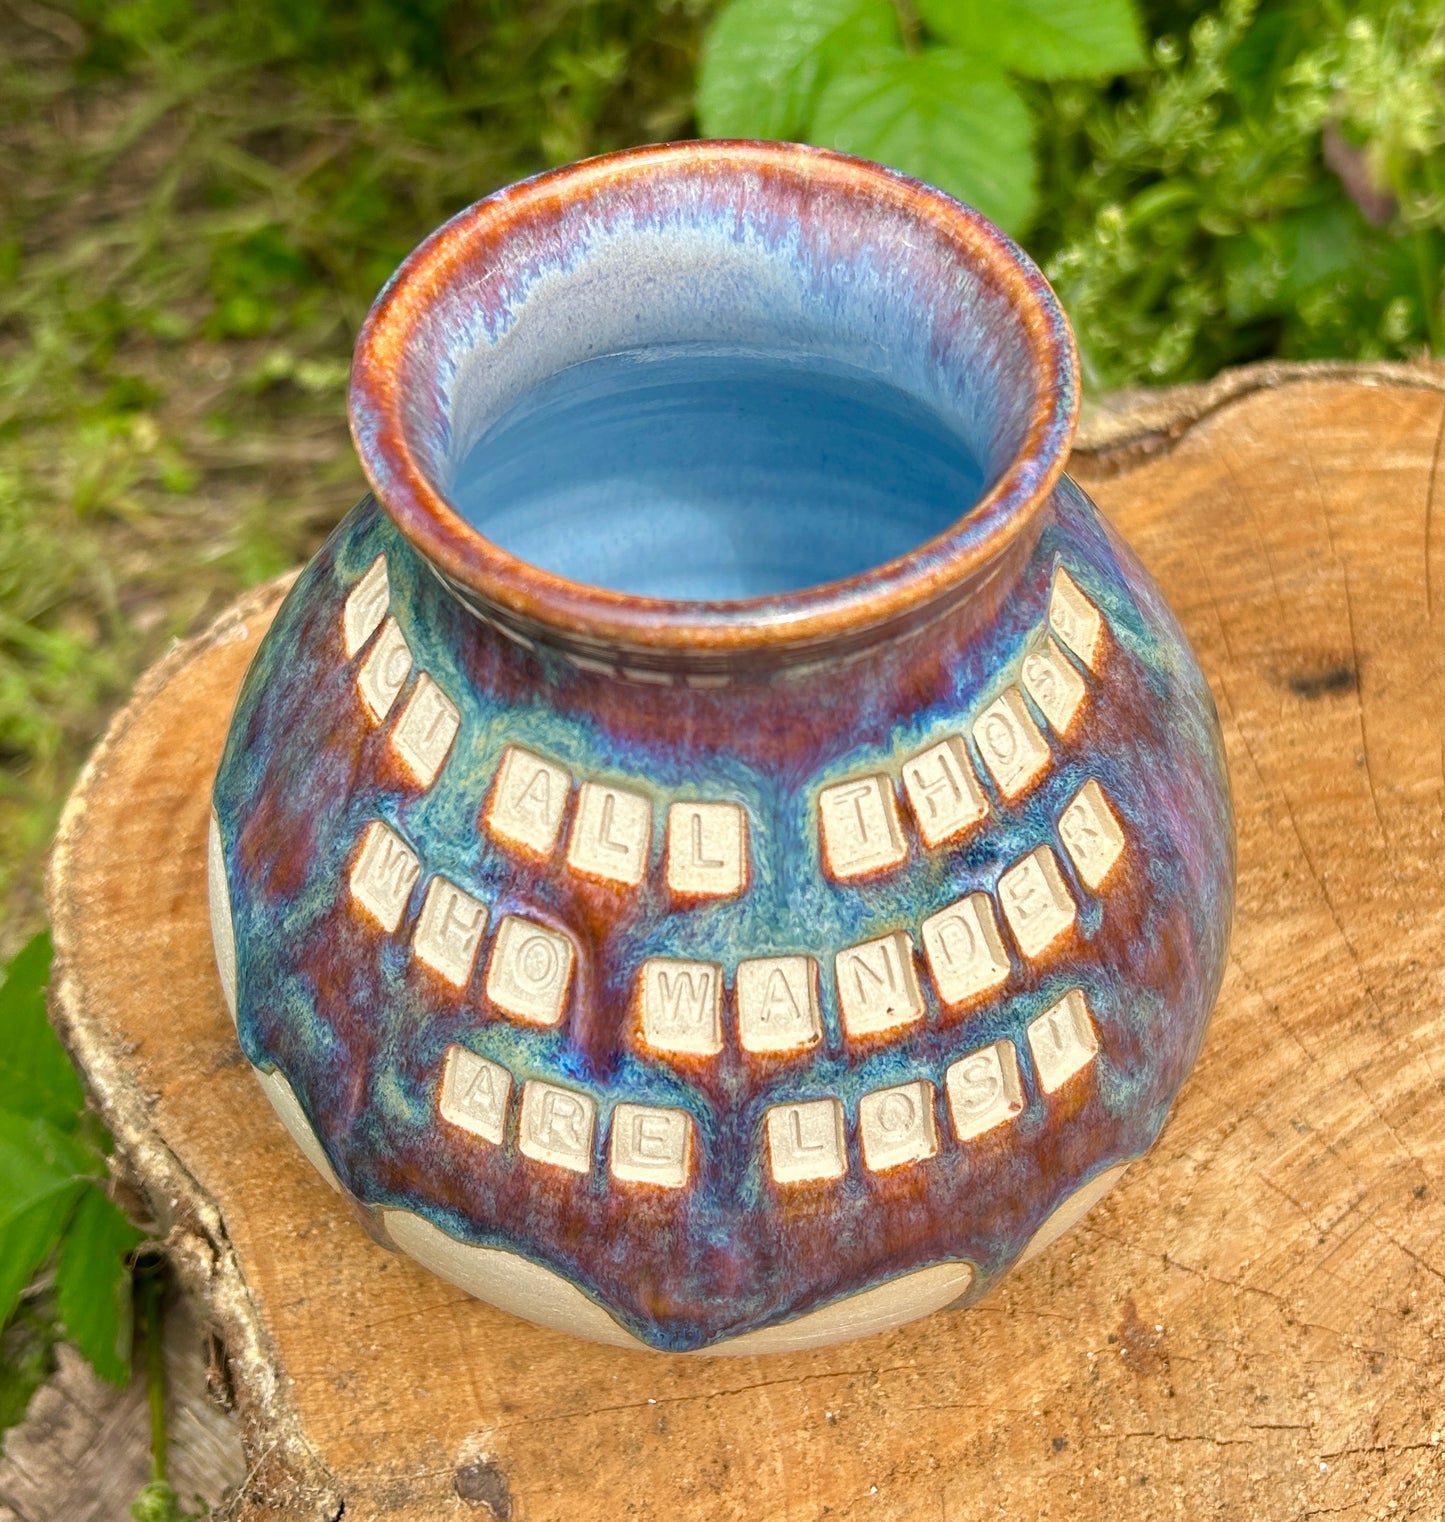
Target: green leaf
{"type": "Point", "coordinates": [1043, 39]}
{"type": "Point", "coordinates": [940, 116]}
{"type": "Point", "coordinates": [92, 1285]}
{"type": "Point", "coordinates": [27, 1241]}
{"type": "Point", "coordinates": [36, 1161]}
{"type": "Point", "coordinates": [763, 61]}
{"type": "Point", "coordinates": [36, 1077]}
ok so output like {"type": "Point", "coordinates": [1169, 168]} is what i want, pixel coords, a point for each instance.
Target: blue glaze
{"type": "Point", "coordinates": [710, 471]}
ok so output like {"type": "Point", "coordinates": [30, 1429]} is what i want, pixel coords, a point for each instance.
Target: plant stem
{"type": "Point", "coordinates": [152, 1294]}
{"type": "Point", "coordinates": [909, 25]}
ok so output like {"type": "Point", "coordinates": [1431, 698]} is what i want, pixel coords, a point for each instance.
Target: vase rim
{"type": "Point", "coordinates": [884, 599]}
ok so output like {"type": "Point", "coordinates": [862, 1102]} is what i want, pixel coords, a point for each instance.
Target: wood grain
{"type": "Point", "coordinates": [1252, 1325]}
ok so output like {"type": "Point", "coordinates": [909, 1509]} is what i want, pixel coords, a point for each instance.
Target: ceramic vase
{"type": "Point", "coordinates": [734, 973]}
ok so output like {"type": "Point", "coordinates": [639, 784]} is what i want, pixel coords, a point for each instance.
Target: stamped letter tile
{"type": "Point", "coordinates": [366, 605]}
{"type": "Point", "coordinates": [475, 1094]}
{"type": "Point", "coordinates": [651, 1145]}
{"type": "Point", "coordinates": [1092, 834]}
{"type": "Point", "coordinates": [449, 931]}
{"type": "Point", "coordinates": [707, 849]}
{"type": "Point", "coordinates": [1063, 1041]}
{"type": "Point", "coordinates": [611, 834]}
{"type": "Point", "coordinates": [682, 1006]}
{"type": "Point", "coordinates": [385, 872]}
{"type": "Point", "coordinates": [528, 800]}
{"type": "Point", "coordinates": [943, 792]}
{"type": "Point", "coordinates": [426, 729]}
{"type": "Point", "coordinates": [384, 671]}
{"type": "Point", "coordinates": [1054, 685]}
{"type": "Point", "coordinates": [805, 1141]}
{"type": "Point", "coordinates": [557, 1125]}
{"type": "Point", "coordinates": [1036, 901]}
{"type": "Point", "coordinates": [1076, 620]}
{"type": "Point", "coordinates": [529, 970]}
{"type": "Point", "coordinates": [984, 1090]}
{"type": "Point", "coordinates": [965, 952]}
{"type": "Point", "coordinates": [896, 1125]}
{"type": "Point", "coordinates": [1012, 745]}
{"type": "Point", "coordinates": [877, 987]}
{"type": "Point", "coordinates": [861, 829]}
{"type": "Point", "coordinates": [778, 1004]}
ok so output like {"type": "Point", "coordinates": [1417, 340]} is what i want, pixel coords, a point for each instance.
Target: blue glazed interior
{"type": "Point", "coordinates": [709, 471]}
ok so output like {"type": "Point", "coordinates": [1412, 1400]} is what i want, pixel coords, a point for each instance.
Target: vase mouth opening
{"type": "Point", "coordinates": [894, 391]}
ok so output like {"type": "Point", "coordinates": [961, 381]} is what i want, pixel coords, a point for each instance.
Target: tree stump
{"type": "Point", "coordinates": [1252, 1325]}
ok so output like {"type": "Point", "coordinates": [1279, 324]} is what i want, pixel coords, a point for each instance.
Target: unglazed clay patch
{"type": "Point", "coordinates": [293, 1117]}
{"type": "Point", "coordinates": [877, 987]}
{"type": "Point", "coordinates": [1069, 1212]}
{"type": "Point", "coordinates": [1011, 744]}
{"type": "Point", "coordinates": [896, 1125]}
{"type": "Point", "coordinates": [1054, 685]}
{"type": "Point", "coordinates": [943, 792]}
{"type": "Point", "coordinates": [223, 934]}
{"type": "Point", "coordinates": [1076, 621]}
{"type": "Point", "coordinates": [475, 1094]}
{"type": "Point", "coordinates": [805, 1142]}
{"type": "Point", "coordinates": [984, 1090]}
{"type": "Point", "coordinates": [1092, 834]}
{"type": "Point", "coordinates": [707, 849]}
{"type": "Point", "coordinates": [1063, 1041]}
{"type": "Point", "coordinates": [682, 1006]}
{"type": "Point", "coordinates": [365, 607]}
{"type": "Point", "coordinates": [529, 970]}
{"type": "Point", "coordinates": [426, 729]}
{"type": "Point", "coordinates": [449, 930]}
{"type": "Point", "coordinates": [384, 671]}
{"type": "Point", "coordinates": [860, 827]}
{"type": "Point", "coordinates": [557, 1126]}
{"type": "Point", "coordinates": [384, 874]}
{"type": "Point", "coordinates": [650, 1145]}
{"type": "Point", "coordinates": [1036, 901]}
{"type": "Point", "coordinates": [777, 1000]}
{"type": "Point", "coordinates": [611, 834]}
{"type": "Point", "coordinates": [528, 799]}
{"type": "Point", "coordinates": [965, 953]}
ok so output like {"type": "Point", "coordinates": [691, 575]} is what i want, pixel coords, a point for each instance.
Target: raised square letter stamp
{"type": "Point", "coordinates": [682, 1006]}
{"type": "Point", "coordinates": [896, 1125]}
{"type": "Point", "coordinates": [1036, 901]}
{"type": "Point", "coordinates": [557, 1125]}
{"type": "Point", "coordinates": [529, 970]}
{"type": "Point", "coordinates": [1054, 685]}
{"type": "Point", "coordinates": [778, 1004]}
{"type": "Point", "coordinates": [877, 986]}
{"type": "Point", "coordinates": [860, 827]}
{"type": "Point", "coordinates": [707, 849]}
{"type": "Point", "coordinates": [475, 1094]}
{"type": "Point", "coordinates": [426, 729]}
{"type": "Point", "coordinates": [965, 952]}
{"type": "Point", "coordinates": [1063, 1041]}
{"type": "Point", "coordinates": [805, 1141]}
{"type": "Point", "coordinates": [1011, 744]}
{"type": "Point", "coordinates": [1075, 619]}
{"type": "Point", "coordinates": [384, 873]}
{"type": "Point", "coordinates": [943, 792]}
{"type": "Point", "coordinates": [1092, 834]}
{"type": "Point", "coordinates": [611, 834]}
{"type": "Point", "coordinates": [384, 671]}
{"type": "Point", "coordinates": [984, 1090]}
{"type": "Point", "coordinates": [651, 1145]}
{"type": "Point", "coordinates": [449, 931]}
{"type": "Point", "coordinates": [365, 607]}
{"type": "Point", "coordinates": [527, 802]}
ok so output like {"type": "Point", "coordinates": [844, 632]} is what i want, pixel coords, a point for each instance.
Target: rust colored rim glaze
{"type": "Point", "coordinates": [889, 598]}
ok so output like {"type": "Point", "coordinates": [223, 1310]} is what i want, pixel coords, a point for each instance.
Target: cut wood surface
{"type": "Point", "coordinates": [1251, 1326]}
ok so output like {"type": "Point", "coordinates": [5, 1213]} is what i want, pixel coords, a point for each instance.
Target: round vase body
{"type": "Point", "coordinates": [741, 974]}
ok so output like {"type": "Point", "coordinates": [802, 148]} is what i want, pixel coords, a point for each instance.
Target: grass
{"type": "Point", "coordinates": [197, 205]}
